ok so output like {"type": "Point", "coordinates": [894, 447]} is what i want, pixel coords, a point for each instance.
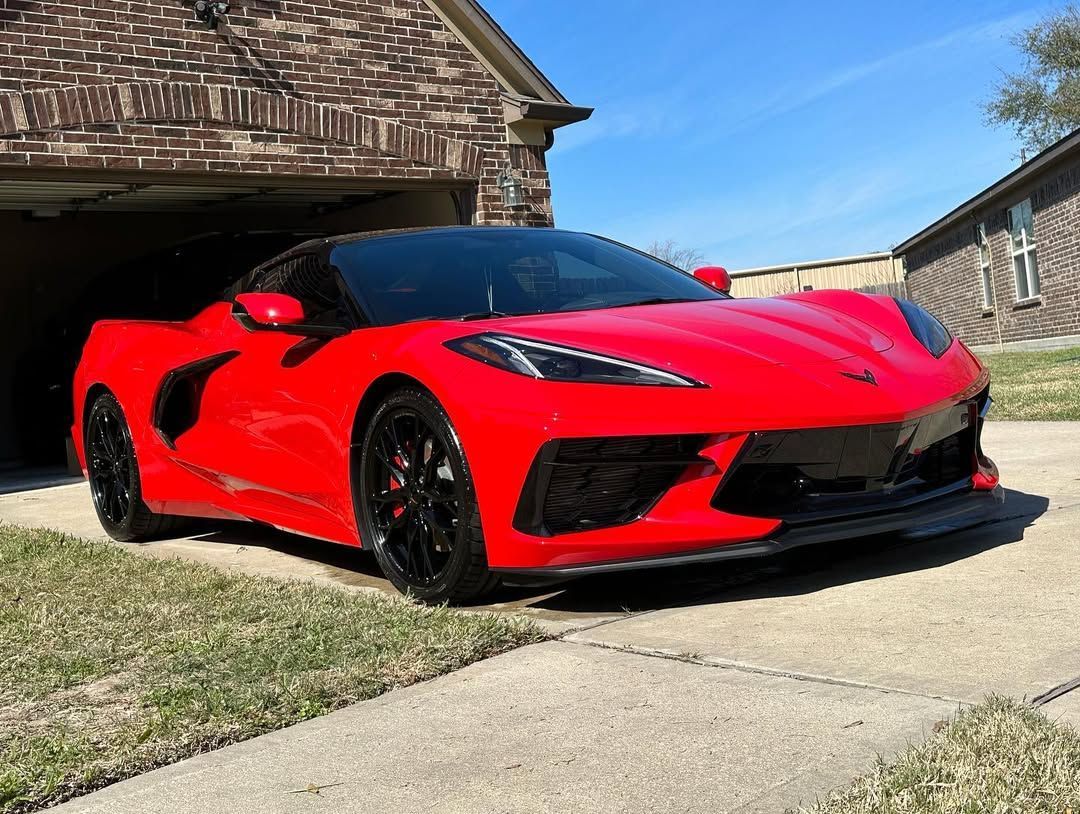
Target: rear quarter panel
{"type": "Point", "coordinates": [130, 359]}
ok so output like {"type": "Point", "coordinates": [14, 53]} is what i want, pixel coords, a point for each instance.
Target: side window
{"type": "Point", "coordinates": [244, 285]}
{"type": "Point", "coordinates": [313, 283]}
{"type": "Point", "coordinates": [578, 277]}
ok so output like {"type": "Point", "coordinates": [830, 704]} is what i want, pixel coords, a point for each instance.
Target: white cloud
{"type": "Point", "coordinates": [671, 111]}
{"type": "Point", "coordinates": [849, 210]}
{"type": "Point", "coordinates": [791, 99]}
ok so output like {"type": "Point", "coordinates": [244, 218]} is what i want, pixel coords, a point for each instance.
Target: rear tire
{"type": "Point", "coordinates": [416, 504]}
{"type": "Point", "coordinates": [115, 486]}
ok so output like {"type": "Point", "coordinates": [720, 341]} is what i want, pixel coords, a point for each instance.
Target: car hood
{"type": "Point", "coordinates": [698, 336]}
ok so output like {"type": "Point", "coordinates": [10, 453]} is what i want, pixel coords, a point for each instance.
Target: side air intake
{"type": "Point", "coordinates": [583, 484]}
{"type": "Point", "coordinates": [176, 406]}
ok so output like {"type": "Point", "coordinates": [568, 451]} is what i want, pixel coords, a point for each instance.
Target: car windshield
{"type": "Point", "coordinates": [481, 272]}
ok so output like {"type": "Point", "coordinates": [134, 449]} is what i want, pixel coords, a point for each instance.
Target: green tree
{"type": "Point", "coordinates": [1042, 102]}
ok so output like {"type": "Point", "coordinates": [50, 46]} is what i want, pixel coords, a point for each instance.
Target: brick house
{"type": "Point", "coordinates": [129, 128]}
{"type": "Point", "coordinates": [1003, 269]}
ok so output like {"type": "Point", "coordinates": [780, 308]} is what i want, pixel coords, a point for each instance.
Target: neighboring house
{"type": "Point", "coordinates": [1003, 269]}
{"type": "Point", "coordinates": [127, 128]}
{"type": "Point", "coordinates": [878, 272]}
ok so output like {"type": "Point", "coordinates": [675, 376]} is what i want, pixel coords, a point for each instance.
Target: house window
{"type": "Point", "coordinates": [1022, 239]}
{"type": "Point", "coordinates": [984, 267]}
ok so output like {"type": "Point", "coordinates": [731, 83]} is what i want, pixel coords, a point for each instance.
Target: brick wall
{"type": "Point", "coordinates": [944, 274]}
{"type": "Point", "coordinates": [373, 89]}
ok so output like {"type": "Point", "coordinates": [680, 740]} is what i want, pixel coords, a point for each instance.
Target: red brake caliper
{"type": "Point", "coordinates": [399, 510]}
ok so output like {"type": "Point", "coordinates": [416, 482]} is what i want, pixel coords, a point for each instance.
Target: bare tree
{"type": "Point", "coordinates": [670, 252]}
{"type": "Point", "coordinates": [1042, 102]}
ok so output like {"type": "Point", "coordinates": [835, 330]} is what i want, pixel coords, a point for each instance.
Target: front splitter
{"type": "Point", "coordinates": [949, 513]}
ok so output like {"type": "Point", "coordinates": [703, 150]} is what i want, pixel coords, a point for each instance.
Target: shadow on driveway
{"type": "Point", "coordinates": [33, 478]}
{"type": "Point", "coordinates": [799, 571]}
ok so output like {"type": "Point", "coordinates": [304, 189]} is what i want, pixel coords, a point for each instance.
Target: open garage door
{"type": "Point", "coordinates": [98, 245]}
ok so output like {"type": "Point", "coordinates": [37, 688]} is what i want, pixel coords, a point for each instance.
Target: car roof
{"type": "Point", "coordinates": [325, 244]}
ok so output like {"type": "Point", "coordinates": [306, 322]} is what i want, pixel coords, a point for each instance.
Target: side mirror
{"type": "Point", "coordinates": [271, 309]}
{"type": "Point", "coordinates": [278, 312]}
{"type": "Point", "coordinates": [715, 277]}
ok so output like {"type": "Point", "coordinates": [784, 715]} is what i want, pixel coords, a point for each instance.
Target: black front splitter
{"type": "Point", "coordinates": [951, 513]}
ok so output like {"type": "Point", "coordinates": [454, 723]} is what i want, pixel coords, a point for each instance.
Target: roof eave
{"type": "Point", "coordinates": [549, 114]}
{"type": "Point", "coordinates": [493, 47]}
{"type": "Point", "coordinates": [1052, 154]}
{"type": "Point", "coordinates": [812, 264]}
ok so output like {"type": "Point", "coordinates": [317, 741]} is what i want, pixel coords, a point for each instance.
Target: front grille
{"type": "Point", "coordinates": [589, 483]}
{"type": "Point", "coordinates": [808, 476]}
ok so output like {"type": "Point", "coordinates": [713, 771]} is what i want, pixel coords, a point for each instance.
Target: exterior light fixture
{"type": "Point", "coordinates": [209, 12]}
{"type": "Point", "coordinates": [510, 184]}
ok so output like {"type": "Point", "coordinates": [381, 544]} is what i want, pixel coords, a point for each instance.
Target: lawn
{"type": "Point", "coordinates": [1000, 756]}
{"type": "Point", "coordinates": [1042, 385]}
{"type": "Point", "coordinates": [112, 663]}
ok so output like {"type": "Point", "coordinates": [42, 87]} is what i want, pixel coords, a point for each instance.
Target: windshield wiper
{"type": "Point", "coordinates": [655, 301]}
{"type": "Point", "coordinates": [483, 315]}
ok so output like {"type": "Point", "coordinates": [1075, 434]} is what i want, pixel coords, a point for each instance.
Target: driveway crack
{"type": "Point", "coordinates": [743, 667]}
{"type": "Point", "coordinates": [1055, 692]}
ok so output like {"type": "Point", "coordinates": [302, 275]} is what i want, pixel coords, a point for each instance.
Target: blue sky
{"type": "Point", "coordinates": [766, 133]}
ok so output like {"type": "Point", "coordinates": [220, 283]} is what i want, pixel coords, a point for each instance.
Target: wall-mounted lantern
{"type": "Point", "coordinates": [512, 192]}
{"type": "Point", "coordinates": [209, 12]}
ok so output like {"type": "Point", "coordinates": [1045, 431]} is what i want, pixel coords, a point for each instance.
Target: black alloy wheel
{"type": "Point", "coordinates": [416, 501]}
{"type": "Point", "coordinates": [418, 506]}
{"type": "Point", "coordinates": [110, 463]}
{"type": "Point", "coordinates": [113, 469]}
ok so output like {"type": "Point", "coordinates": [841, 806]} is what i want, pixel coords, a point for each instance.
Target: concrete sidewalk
{"type": "Point", "coordinates": [745, 687]}
{"type": "Point", "coordinates": [555, 727]}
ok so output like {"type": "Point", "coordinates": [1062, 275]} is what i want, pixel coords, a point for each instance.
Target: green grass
{"type": "Point", "coordinates": [1037, 386]}
{"type": "Point", "coordinates": [999, 756]}
{"type": "Point", "coordinates": [112, 663]}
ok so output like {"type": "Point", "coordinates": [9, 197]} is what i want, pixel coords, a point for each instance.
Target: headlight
{"type": "Point", "coordinates": [931, 334]}
{"type": "Point", "coordinates": [541, 360]}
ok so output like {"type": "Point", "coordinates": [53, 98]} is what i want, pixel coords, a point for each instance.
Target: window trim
{"type": "Point", "coordinates": [1022, 257]}
{"type": "Point", "coordinates": [986, 273]}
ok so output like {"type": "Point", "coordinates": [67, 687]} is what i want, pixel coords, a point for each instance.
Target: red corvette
{"type": "Point", "coordinates": [472, 402]}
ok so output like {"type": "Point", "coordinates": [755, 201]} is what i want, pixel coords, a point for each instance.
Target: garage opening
{"type": "Point", "coordinates": [101, 247]}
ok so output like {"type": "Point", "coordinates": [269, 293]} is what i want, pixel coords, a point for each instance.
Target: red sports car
{"type": "Point", "coordinates": [474, 402]}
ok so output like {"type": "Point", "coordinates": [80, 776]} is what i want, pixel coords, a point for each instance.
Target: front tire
{"type": "Point", "coordinates": [114, 476]}
{"type": "Point", "coordinates": [416, 503]}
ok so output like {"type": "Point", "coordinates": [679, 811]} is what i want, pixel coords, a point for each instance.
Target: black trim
{"type": "Point", "coordinates": [199, 371]}
{"type": "Point", "coordinates": [616, 481]}
{"type": "Point", "coordinates": [958, 511]}
{"type": "Point", "coordinates": [824, 474]}
{"type": "Point", "coordinates": [923, 313]}
{"type": "Point", "coordinates": [529, 515]}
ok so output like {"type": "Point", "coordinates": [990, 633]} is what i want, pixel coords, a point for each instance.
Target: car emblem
{"type": "Point", "coordinates": [865, 376]}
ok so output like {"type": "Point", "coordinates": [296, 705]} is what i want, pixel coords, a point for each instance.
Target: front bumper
{"type": "Point", "coordinates": [749, 494]}
{"type": "Point", "coordinates": [956, 509]}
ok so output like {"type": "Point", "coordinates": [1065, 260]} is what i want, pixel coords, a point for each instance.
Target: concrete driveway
{"type": "Point", "coordinates": [745, 687]}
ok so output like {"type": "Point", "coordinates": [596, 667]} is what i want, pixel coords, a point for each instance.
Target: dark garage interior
{"type": "Point", "coordinates": [98, 247]}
